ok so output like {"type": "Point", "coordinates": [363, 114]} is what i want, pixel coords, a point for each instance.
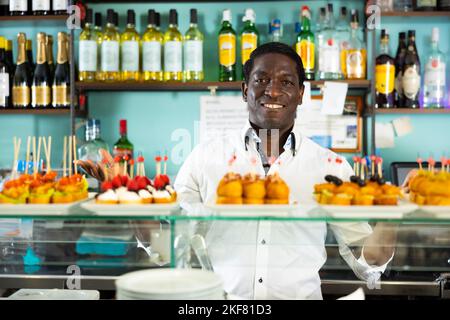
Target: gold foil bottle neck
{"type": "Point", "coordinates": [22, 42]}
{"type": "Point", "coordinates": [62, 48]}
{"type": "Point", "coordinates": [41, 54]}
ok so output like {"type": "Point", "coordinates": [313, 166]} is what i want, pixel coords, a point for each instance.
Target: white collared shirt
{"type": "Point", "coordinates": [270, 260]}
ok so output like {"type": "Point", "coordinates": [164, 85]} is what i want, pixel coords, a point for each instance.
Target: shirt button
{"type": "Point", "coordinates": [260, 280]}
{"type": "Point", "coordinates": [263, 241]}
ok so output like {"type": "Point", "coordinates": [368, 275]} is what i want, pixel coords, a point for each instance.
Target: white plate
{"type": "Point", "coordinates": [252, 210]}
{"type": "Point", "coordinates": [154, 209]}
{"type": "Point", "coordinates": [381, 212]}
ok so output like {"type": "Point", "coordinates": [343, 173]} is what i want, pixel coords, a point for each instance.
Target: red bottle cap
{"type": "Point", "coordinates": [123, 127]}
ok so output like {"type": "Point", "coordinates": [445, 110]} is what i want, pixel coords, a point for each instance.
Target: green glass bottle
{"type": "Point", "coordinates": [305, 44]}
{"type": "Point", "coordinates": [123, 147]}
{"type": "Point", "coordinates": [227, 49]}
{"type": "Point", "coordinates": [249, 36]}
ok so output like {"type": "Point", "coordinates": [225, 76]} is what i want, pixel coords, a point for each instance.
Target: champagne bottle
{"type": "Point", "coordinates": [152, 41]}
{"type": "Point", "coordinates": [193, 51]}
{"type": "Point", "coordinates": [399, 62]}
{"type": "Point", "coordinates": [18, 7]}
{"type": "Point", "coordinates": [173, 70]}
{"type": "Point", "coordinates": [384, 75]}
{"type": "Point", "coordinates": [59, 7]}
{"type": "Point", "coordinates": [305, 44]}
{"type": "Point", "coordinates": [5, 77]}
{"type": "Point", "coordinates": [98, 31]}
{"type": "Point", "coordinates": [227, 49]}
{"type": "Point", "coordinates": [31, 63]}
{"type": "Point", "coordinates": [130, 50]}
{"type": "Point", "coordinates": [61, 82]}
{"type": "Point", "coordinates": [41, 86]}
{"type": "Point", "coordinates": [49, 51]}
{"type": "Point", "coordinates": [87, 50]}
{"type": "Point", "coordinates": [41, 7]}
{"type": "Point", "coordinates": [411, 73]}
{"type": "Point", "coordinates": [22, 76]}
{"type": "Point", "coordinates": [110, 50]}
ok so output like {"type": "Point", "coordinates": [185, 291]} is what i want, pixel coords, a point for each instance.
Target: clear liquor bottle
{"type": "Point", "coordinates": [355, 55]}
{"type": "Point", "coordinates": [90, 149]}
{"type": "Point", "coordinates": [193, 51]}
{"type": "Point", "coordinates": [329, 55]}
{"type": "Point", "coordinates": [434, 80]}
{"type": "Point", "coordinates": [343, 37]}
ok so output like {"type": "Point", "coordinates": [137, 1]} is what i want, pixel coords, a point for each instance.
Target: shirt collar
{"type": "Point", "coordinates": [249, 134]}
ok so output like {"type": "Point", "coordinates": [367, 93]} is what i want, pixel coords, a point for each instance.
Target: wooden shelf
{"type": "Point", "coordinates": [189, 86]}
{"type": "Point", "coordinates": [47, 112]}
{"type": "Point", "coordinates": [429, 14]}
{"type": "Point", "coordinates": [410, 111]}
{"type": "Point", "coordinates": [34, 18]}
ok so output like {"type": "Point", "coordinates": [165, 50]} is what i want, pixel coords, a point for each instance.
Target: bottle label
{"type": "Point", "coordinates": [355, 63]}
{"type": "Point", "coordinates": [151, 51]}
{"type": "Point", "coordinates": [249, 41]}
{"type": "Point", "coordinates": [305, 49]}
{"type": "Point", "coordinates": [59, 4]}
{"type": "Point", "coordinates": [384, 78]}
{"type": "Point", "coordinates": [21, 95]}
{"type": "Point", "coordinates": [43, 5]}
{"type": "Point", "coordinates": [193, 55]}
{"type": "Point", "coordinates": [227, 49]}
{"type": "Point", "coordinates": [329, 56]}
{"type": "Point", "coordinates": [88, 55]}
{"type": "Point", "coordinates": [172, 56]}
{"type": "Point", "coordinates": [435, 73]}
{"type": "Point", "coordinates": [130, 56]}
{"type": "Point", "coordinates": [426, 3]}
{"type": "Point", "coordinates": [61, 95]}
{"type": "Point", "coordinates": [110, 56]}
{"type": "Point", "coordinates": [18, 5]}
{"type": "Point", "coordinates": [4, 85]}
{"type": "Point", "coordinates": [411, 82]}
{"type": "Point", "coordinates": [40, 96]}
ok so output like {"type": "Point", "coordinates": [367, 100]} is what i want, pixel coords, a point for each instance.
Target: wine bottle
{"type": "Point", "coordinates": [305, 44]}
{"type": "Point", "coordinates": [130, 50]}
{"type": "Point", "coordinates": [30, 56]}
{"type": "Point", "coordinates": [399, 62]}
{"type": "Point", "coordinates": [152, 41]}
{"type": "Point", "coordinates": [193, 51]}
{"type": "Point", "coordinates": [173, 70]}
{"type": "Point", "coordinates": [61, 82]}
{"type": "Point", "coordinates": [98, 31]}
{"type": "Point", "coordinates": [87, 50]}
{"type": "Point", "coordinates": [18, 7]}
{"type": "Point", "coordinates": [49, 51]}
{"type": "Point", "coordinates": [9, 57]}
{"type": "Point", "coordinates": [59, 7]}
{"type": "Point", "coordinates": [227, 49]}
{"type": "Point", "coordinates": [22, 76]}
{"type": "Point", "coordinates": [41, 7]}
{"type": "Point", "coordinates": [116, 21]}
{"type": "Point", "coordinates": [4, 7]}
{"type": "Point", "coordinates": [434, 80]}
{"type": "Point", "coordinates": [384, 75]}
{"type": "Point", "coordinates": [444, 5]}
{"type": "Point", "coordinates": [158, 21]}
{"type": "Point", "coordinates": [411, 73]}
{"type": "Point", "coordinates": [5, 77]}
{"type": "Point", "coordinates": [110, 50]}
{"type": "Point", "coordinates": [123, 147]}
{"type": "Point", "coordinates": [41, 86]}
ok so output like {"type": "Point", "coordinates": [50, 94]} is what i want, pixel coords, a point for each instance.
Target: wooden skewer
{"type": "Point", "coordinates": [38, 157]}
{"type": "Point", "coordinates": [27, 157]}
{"type": "Point", "coordinates": [75, 154]}
{"type": "Point", "coordinates": [64, 156]}
{"type": "Point", "coordinates": [70, 155]}
{"type": "Point", "coordinates": [34, 156]}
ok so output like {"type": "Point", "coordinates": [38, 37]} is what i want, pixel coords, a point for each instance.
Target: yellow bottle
{"type": "Point", "coordinates": [173, 50]}
{"type": "Point", "coordinates": [193, 51]}
{"type": "Point", "coordinates": [99, 38]}
{"type": "Point", "coordinates": [110, 50]}
{"type": "Point", "coordinates": [87, 51]}
{"type": "Point", "coordinates": [152, 41]}
{"type": "Point", "coordinates": [129, 43]}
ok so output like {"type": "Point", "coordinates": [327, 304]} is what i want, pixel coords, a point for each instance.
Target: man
{"type": "Point", "coordinates": [275, 260]}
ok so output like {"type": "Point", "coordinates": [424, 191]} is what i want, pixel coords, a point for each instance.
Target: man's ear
{"type": "Point", "coordinates": [300, 94]}
{"type": "Point", "coordinates": [244, 89]}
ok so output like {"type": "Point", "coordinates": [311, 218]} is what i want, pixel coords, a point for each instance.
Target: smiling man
{"type": "Point", "coordinates": [276, 260]}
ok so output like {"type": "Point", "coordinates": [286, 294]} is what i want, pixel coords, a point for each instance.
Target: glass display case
{"type": "Point", "coordinates": [43, 250]}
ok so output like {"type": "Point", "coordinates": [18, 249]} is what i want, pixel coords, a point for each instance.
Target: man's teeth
{"type": "Point", "coordinates": [273, 106]}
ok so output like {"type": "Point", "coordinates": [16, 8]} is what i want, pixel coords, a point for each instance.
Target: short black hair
{"type": "Point", "coordinates": [275, 47]}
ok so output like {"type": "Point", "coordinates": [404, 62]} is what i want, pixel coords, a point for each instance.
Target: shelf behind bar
{"type": "Point", "coordinates": [49, 112]}
{"type": "Point", "coordinates": [190, 86]}
{"type": "Point", "coordinates": [413, 111]}
{"type": "Point", "coordinates": [423, 14]}
{"type": "Point", "coordinates": [34, 18]}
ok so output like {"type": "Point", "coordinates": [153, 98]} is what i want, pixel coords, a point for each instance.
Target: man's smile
{"type": "Point", "coordinates": [272, 105]}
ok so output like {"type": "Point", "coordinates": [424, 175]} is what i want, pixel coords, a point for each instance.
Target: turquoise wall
{"type": "Point", "coordinates": [154, 116]}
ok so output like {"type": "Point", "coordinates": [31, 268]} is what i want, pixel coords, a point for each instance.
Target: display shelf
{"type": "Point", "coordinates": [429, 14]}
{"type": "Point", "coordinates": [412, 111]}
{"type": "Point", "coordinates": [190, 86]}
{"type": "Point", "coordinates": [48, 112]}
{"type": "Point", "coordinates": [34, 18]}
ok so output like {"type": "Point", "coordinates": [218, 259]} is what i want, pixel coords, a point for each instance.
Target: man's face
{"type": "Point", "coordinates": [273, 92]}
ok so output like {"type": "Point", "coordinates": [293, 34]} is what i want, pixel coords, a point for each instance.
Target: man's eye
{"type": "Point", "coordinates": [261, 80]}
{"type": "Point", "coordinates": [287, 82]}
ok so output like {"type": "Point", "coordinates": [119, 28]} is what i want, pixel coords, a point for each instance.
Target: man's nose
{"type": "Point", "coordinates": [273, 89]}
